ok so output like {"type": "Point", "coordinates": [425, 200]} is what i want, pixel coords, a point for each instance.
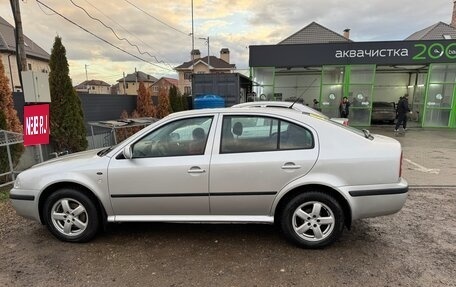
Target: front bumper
{"type": "Point", "coordinates": [25, 202]}
{"type": "Point", "coordinates": [377, 200]}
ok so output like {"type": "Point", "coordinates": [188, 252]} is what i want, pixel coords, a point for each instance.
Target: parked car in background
{"type": "Point", "coordinates": [296, 106]}
{"type": "Point", "coordinates": [383, 112]}
{"type": "Point", "coordinates": [309, 175]}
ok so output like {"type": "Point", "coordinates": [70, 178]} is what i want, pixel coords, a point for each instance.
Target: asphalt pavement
{"type": "Point", "coordinates": [429, 155]}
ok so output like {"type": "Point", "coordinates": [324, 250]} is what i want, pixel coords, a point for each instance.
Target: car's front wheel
{"type": "Point", "coordinates": [71, 216]}
{"type": "Point", "coordinates": [312, 220]}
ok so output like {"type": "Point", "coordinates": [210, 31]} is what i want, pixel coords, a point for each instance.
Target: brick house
{"type": "Point", "coordinates": [204, 65]}
{"type": "Point", "coordinates": [162, 83]}
{"type": "Point", "coordinates": [37, 58]}
{"type": "Point", "coordinates": [94, 87]}
{"type": "Point", "coordinates": [130, 84]}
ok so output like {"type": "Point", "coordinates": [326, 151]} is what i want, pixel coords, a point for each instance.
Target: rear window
{"type": "Point", "coordinates": [349, 128]}
{"type": "Point", "coordinates": [382, 105]}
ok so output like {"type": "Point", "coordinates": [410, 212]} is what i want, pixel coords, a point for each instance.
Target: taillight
{"type": "Point", "coordinates": [400, 167]}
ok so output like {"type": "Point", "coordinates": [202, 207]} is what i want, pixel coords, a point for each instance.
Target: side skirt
{"type": "Point", "coordinates": [193, 218]}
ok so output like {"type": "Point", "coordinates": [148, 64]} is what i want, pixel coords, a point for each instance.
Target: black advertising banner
{"type": "Point", "coordinates": [354, 53]}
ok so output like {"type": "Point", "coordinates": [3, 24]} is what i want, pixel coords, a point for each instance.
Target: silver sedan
{"type": "Point", "coordinates": [305, 173]}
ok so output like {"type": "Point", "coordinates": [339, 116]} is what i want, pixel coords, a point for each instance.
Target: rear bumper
{"type": "Point", "coordinates": [377, 200]}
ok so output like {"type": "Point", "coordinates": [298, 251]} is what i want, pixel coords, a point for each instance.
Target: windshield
{"type": "Point", "coordinates": [382, 105]}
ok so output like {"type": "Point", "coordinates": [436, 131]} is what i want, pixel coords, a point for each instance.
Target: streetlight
{"type": "Point", "coordinates": [208, 56]}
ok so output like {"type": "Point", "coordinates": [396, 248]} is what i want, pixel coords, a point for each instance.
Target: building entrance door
{"type": "Point", "coordinates": [354, 82]}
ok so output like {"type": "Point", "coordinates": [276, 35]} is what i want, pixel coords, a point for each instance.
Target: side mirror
{"type": "Point", "coordinates": [128, 152]}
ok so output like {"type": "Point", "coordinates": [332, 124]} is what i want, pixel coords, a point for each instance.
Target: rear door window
{"type": "Point", "coordinates": [258, 133]}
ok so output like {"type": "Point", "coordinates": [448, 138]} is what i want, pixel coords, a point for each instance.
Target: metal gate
{"type": "Point", "coordinates": [8, 139]}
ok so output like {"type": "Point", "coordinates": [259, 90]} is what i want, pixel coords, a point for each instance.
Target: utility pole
{"type": "Point", "coordinates": [21, 57]}
{"type": "Point", "coordinates": [125, 90]}
{"type": "Point", "coordinates": [87, 79]}
{"type": "Point", "coordinates": [193, 41]}
{"type": "Point", "coordinates": [208, 56]}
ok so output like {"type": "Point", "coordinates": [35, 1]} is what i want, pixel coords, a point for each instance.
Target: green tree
{"type": "Point", "coordinates": [184, 102]}
{"type": "Point", "coordinates": [8, 121]}
{"type": "Point", "coordinates": [67, 120]}
{"type": "Point", "coordinates": [175, 99]}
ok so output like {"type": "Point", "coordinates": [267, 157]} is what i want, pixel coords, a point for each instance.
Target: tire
{"type": "Point", "coordinates": [71, 216]}
{"type": "Point", "coordinates": [312, 220]}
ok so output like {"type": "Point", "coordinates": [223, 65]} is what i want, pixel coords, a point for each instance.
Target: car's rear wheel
{"type": "Point", "coordinates": [71, 216]}
{"type": "Point", "coordinates": [312, 220]}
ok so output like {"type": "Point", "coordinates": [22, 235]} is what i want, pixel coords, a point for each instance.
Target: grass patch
{"type": "Point", "coordinates": [4, 192]}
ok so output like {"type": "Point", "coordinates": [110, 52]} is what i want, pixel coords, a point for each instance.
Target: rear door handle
{"type": "Point", "coordinates": [196, 169]}
{"type": "Point", "coordinates": [290, 165]}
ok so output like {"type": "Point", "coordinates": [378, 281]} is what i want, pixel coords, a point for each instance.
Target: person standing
{"type": "Point", "coordinates": [402, 110]}
{"type": "Point", "coordinates": [344, 108]}
{"type": "Point", "coordinates": [315, 105]}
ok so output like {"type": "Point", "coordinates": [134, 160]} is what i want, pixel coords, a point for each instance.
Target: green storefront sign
{"type": "Point", "coordinates": [361, 75]}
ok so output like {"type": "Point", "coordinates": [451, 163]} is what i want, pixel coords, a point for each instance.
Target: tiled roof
{"type": "Point", "coordinates": [172, 81]}
{"type": "Point", "coordinates": [312, 34]}
{"type": "Point", "coordinates": [434, 32]}
{"type": "Point", "coordinates": [166, 79]}
{"type": "Point", "coordinates": [84, 84]}
{"type": "Point", "coordinates": [215, 63]}
{"type": "Point", "coordinates": [8, 42]}
{"type": "Point", "coordinates": [142, 77]}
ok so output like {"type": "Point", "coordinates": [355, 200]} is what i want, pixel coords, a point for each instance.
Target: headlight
{"type": "Point", "coordinates": [17, 183]}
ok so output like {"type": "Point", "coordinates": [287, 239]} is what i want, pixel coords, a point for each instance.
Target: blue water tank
{"type": "Point", "coordinates": [208, 102]}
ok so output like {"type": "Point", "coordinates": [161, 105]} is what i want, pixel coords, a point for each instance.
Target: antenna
{"type": "Point", "coordinates": [302, 94]}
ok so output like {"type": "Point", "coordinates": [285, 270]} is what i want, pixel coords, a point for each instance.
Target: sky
{"type": "Point", "coordinates": [161, 30]}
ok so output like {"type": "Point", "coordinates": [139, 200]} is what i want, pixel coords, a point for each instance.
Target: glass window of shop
{"type": "Point", "coordinates": [332, 89]}
{"type": "Point", "coordinates": [297, 84]}
{"type": "Point", "coordinates": [417, 90]}
{"type": "Point", "coordinates": [263, 85]}
{"type": "Point", "coordinates": [361, 79]}
{"type": "Point", "coordinates": [440, 96]}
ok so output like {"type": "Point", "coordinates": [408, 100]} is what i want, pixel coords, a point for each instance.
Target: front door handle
{"type": "Point", "coordinates": [290, 165]}
{"type": "Point", "coordinates": [196, 169]}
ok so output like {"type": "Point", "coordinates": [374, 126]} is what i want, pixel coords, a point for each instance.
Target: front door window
{"type": "Point", "coordinates": [179, 138]}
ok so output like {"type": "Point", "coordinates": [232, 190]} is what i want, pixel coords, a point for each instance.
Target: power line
{"type": "Point", "coordinates": [124, 29]}
{"type": "Point", "coordinates": [145, 12]}
{"type": "Point", "coordinates": [120, 38]}
{"type": "Point", "coordinates": [101, 39]}
{"type": "Point", "coordinates": [49, 14]}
